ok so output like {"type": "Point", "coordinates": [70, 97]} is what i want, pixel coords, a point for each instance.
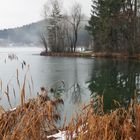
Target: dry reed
{"type": "Point", "coordinates": [33, 120]}
{"type": "Point", "coordinates": [120, 124]}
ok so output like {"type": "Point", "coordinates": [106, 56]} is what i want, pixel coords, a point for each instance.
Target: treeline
{"type": "Point", "coordinates": [115, 26]}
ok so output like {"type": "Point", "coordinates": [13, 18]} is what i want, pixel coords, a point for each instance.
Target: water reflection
{"type": "Point", "coordinates": [57, 89]}
{"type": "Point", "coordinates": [115, 80]}
{"type": "Point", "coordinates": [75, 92]}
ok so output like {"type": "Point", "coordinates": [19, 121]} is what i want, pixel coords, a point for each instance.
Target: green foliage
{"type": "Point", "coordinates": [113, 25]}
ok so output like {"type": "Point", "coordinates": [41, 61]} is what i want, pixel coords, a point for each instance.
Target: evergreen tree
{"type": "Point", "coordinates": [113, 25]}
{"type": "Point", "coordinates": [54, 27]}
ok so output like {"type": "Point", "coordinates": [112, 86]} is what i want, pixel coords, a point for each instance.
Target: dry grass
{"type": "Point", "coordinates": [121, 124]}
{"type": "Point", "coordinates": [114, 55]}
{"type": "Point", "coordinates": [36, 119]}
{"type": "Point", "coordinates": [33, 120]}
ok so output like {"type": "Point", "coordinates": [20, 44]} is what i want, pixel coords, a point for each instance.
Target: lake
{"type": "Point", "coordinates": [75, 80]}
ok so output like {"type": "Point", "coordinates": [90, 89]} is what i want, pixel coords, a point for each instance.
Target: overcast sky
{"type": "Point", "coordinates": [15, 13]}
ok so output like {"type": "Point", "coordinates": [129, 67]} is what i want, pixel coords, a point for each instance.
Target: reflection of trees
{"type": "Point", "coordinates": [116, 80]}
{"type": "Point", "coordinates": [58, 88]}
{"type": "Point", "coordinates": [75, 91]}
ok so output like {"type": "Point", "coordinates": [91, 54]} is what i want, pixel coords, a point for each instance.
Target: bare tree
{"type": "Point", "coordinates": [75, 20]}
{"type": "Point", "coordinates": [43, 41]}
{"type": "Point", "coordinates": [68, 33]}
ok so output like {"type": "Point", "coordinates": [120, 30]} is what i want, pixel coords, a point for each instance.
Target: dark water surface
{"type": "Point", "coordinates": [75, 79]}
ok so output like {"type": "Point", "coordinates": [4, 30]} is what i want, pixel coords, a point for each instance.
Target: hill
{"type": "Point", "coordinates": [29, 35]}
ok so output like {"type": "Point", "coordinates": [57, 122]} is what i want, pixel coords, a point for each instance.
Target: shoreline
{"type": "Point", "coordinates": [93, 54]}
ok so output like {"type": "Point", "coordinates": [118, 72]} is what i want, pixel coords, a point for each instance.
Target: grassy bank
{"type": "Point", "coordinates": [92, 54]}
{"type": "Point", "coordinates": [68, 54]}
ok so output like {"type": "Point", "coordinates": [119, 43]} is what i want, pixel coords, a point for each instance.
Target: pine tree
{"type": "Point", "coordinates": [55, 39]}
{"type": "Point", "coordinates": [99, 24]}
{"type": "Point", "coordinates": [113, 25]}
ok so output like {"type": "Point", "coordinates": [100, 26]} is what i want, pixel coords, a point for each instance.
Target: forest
{"type": "Point", "coordinates": [115, 26]}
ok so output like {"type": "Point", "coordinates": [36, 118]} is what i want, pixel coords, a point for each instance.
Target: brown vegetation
{"type": "Point", "coordinates": [93, 54]}
{"type": "Point", "coordinates": [121, 124]}
{"type": "Point", "coordinates": [36, 120]}
{"type": "Point", "coordinates": [67, 54]}
{"type": "Point", "coordinates": [33, 120]}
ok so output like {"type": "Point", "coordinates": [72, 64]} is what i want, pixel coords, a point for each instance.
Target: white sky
{"type": "Point", "coordinates": [15, 13]}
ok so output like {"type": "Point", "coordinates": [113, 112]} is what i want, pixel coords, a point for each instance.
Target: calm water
{"type": "Point", "coordinates": [83, 77]}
